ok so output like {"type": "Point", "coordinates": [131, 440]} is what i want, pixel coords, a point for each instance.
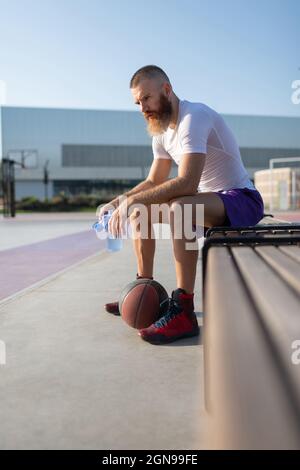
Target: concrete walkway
{"type": "Point", "coordinates": [78, 378]}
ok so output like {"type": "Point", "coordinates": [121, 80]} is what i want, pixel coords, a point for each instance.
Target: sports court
{"type": "Point", "coordinates": [76, 377]}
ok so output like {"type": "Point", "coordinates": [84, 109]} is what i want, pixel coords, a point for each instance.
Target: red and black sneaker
{"type": "Point", "coordinates": [179, 322]}
{"type": "Point", "coordinates": [113, 307]}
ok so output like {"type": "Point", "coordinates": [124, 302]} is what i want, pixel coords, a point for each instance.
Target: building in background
{"type": "Point", "coordinates": [279, 187]}
{"type": "Point", "coordinates": [85, 151]}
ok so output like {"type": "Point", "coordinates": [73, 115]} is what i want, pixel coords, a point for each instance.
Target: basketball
{"type": "Point", "coordinates": [142, 302]}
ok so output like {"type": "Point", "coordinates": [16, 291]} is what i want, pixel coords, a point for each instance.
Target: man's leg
{"type": "Point", "coordinates": [144, 250]}
{"type": "Point", "coordinates": [186, 260]}
{"type": "Point", "coordinates": [180, 321]}
{"type": "Point", "coordinates": [144, 236]}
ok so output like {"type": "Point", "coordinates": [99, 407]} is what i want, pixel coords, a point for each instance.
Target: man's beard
{"type": "Point", "coordinates": [160, 120]}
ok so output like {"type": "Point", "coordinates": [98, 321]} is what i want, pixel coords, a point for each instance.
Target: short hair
{"type": "Point", "coordinates": [148, 71]}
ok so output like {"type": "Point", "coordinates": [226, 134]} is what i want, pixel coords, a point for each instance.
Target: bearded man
{"type": "Point", "coordinates": [210, 173]}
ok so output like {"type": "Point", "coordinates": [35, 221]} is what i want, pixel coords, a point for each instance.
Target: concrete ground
{"type": "Point", "coordinates": [77, 377]}
{"type": "Point", "coordinates": [289, 216]}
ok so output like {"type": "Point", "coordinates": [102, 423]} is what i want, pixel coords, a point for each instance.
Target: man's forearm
{"type": "Point", "coordinates": [144, 185]}
{"type": "Point", "coordinates": [163, 192]}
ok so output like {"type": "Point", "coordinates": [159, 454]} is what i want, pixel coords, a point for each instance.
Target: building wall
{"type": "Point", "coordinates": [279, 187]}
{"type": "Point", "coordinates": [33, 188]}
{"type": "Point", "coordinates": [105, 145]}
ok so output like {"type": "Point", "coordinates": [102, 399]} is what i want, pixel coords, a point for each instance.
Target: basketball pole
{"type": "Point", "coordinates": [8, 181]}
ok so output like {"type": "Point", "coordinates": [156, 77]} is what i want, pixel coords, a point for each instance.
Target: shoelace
{"type": "Point", "coordinates": [173, 310]}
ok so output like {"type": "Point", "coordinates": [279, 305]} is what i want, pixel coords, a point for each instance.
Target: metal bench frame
{"type": "Point", "coordinates": [281, 234]}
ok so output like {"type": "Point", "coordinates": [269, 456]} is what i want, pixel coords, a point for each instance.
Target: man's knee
{"type": "Point", "coordinates": [179, 205]}
{"type": "Point", "coordinates": [176, 202]}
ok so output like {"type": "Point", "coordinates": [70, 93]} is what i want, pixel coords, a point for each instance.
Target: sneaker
{"type": "Point", "coordinates": [179, 322]}
{"type": "Point", "coordinates": [113, 307]}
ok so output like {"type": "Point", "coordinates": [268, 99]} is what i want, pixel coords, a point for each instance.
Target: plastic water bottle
{"type": "Point", "coordinates": [112, 244]}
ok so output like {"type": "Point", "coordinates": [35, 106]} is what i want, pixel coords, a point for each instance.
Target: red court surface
{"type": "Point", "coordinates": [25, 265]}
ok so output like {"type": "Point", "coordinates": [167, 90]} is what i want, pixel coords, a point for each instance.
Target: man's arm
{"type": "Point", "coordinates": [158, 173]}
{"type": "Point", "coordinates": [185, 184]}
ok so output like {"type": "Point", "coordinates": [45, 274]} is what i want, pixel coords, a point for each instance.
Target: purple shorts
{"type": "Point", "coordinates": [243, 206]}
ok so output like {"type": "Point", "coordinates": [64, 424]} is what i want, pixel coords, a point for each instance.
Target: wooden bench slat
{"type": "Point", "coordinates": [278, 307]}
{"type": "Point", "coordinates": [292, 251]}
{"type": "Point", "coordinates": [286, 267]}
{"type": "Point", "coordinates": [244, 390]}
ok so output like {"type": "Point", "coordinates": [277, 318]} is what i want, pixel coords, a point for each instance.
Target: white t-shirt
{"type": "Point", "coordinates": [200, 129]}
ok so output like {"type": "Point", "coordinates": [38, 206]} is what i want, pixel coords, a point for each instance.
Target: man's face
{"type": "Point", "coordinates": [152, 97]}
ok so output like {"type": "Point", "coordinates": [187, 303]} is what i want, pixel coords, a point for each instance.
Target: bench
{"type": "Point", "coordinates": [251, 303]}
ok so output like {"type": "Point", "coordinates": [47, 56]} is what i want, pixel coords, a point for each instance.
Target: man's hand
{"type": "Point", "coordinates": [112, 205]}
{"type": "Point", "coordinates": [118, 221]}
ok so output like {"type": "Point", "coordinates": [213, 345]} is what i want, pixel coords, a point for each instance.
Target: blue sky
{"type": "Point", "coordinates": [237, 56]}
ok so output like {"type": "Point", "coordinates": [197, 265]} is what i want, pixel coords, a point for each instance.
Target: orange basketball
{"type": "Point", "coordinates": [142, 302]}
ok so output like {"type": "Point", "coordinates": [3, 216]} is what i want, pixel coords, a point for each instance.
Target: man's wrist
{"type": "Point", "coordinates": [132, 200]}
